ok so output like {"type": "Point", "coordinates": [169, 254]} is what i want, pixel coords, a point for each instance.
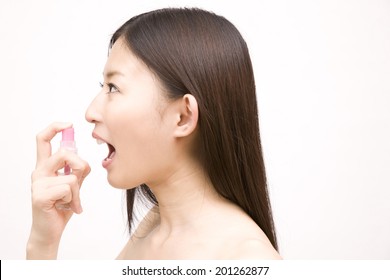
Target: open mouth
{"type": "Point", "coordinates": [111, 152]}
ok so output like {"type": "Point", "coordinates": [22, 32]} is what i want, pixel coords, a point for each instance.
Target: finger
{"type": "Point", "coordinates": [87, 170]}
{"type": "Point", "coordinates": [63, 194]}
{"type": "Point", "coordinates": [75, 203]}
{"type": "Point", "coordinates": [46, 199]}
{"type": "Point", "coordinates": [48, 182]}
{"type": "Point", "coordinates": [52, 189]}
{"type": "Point", "coordinates": [45, 136]}
{"type": "Point", "coordinates": [79, 167]}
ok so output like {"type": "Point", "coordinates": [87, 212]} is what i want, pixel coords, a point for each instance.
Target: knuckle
{"type": "Point", "coordinates": [67, 188]}
{"type": "Point", "coordinates": [39, 136]}
{"type": "Point", "coordinates": [86, 167]}
{"type": "Point", "coordinates": [73, 179]}
{"type": "Point", "coordinates": [37, 174]}
{"type": "Point", "coordinates": [37, 199]}
{"type": "Point", "coordinates": [37, 185]}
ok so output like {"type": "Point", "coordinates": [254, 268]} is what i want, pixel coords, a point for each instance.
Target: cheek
{"type": "Point", "coordinates": [128, 117]}
{"type": "Point", "coordinates": [139, 139]}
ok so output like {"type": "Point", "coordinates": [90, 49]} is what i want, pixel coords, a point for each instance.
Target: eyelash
{"type": "Point", "coordinates": [110, 87]}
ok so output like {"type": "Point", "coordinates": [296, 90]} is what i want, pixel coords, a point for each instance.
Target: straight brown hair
{"type": "Point", "coordinates": [197, 52]}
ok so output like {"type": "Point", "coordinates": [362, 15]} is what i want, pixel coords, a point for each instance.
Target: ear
{"type": "Point", "coordinates": [187, 116]}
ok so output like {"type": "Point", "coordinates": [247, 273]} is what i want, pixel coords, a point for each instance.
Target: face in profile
{"type": "Point", "coordinates": [132, 116]}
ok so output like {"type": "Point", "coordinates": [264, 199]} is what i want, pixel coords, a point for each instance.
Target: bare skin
{"type": "Point", "coordinates": [236, 237]}
{"type": "Point", "coordinates": [201, 225]}
{"type": "Point", "coordinates": [198, 225]}
{"type": "Point", "coordinates": [48, 189]}
{"type": "Point", "coordinates": [153, 140]}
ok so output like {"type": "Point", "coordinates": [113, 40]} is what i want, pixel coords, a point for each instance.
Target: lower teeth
{"type": "Point", "coordinates": [110, 156]}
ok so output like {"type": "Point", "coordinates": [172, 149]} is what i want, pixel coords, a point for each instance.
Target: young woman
{"type": "Point", "coordinates": [178, 112]}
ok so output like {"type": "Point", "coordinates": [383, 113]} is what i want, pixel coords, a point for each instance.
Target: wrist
{"type": "Point", "coordinates": [37, 249]}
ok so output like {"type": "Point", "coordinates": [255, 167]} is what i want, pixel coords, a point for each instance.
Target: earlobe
{"type": "Point", "coordinates": [187, 116]}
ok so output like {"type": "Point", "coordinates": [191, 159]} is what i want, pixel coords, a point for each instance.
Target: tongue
{"type": "Point", "coordinates": [107, 161]}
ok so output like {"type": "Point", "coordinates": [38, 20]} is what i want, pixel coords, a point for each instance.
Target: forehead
{"type": "Point", "coordinates": [121, 60]}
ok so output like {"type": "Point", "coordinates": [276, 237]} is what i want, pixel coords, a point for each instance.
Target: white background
{"type": "Point", "coordinates": [323, 78]}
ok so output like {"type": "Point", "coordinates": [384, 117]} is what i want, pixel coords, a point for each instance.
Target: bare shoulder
{"type": "Point", "coordinates": [147, 224]}
{"type": "Point", "coordinates": [247, 240]}
{"type": "Point", "coordinates": [255, 249]}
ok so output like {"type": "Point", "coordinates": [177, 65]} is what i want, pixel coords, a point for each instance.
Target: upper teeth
{"type": "Point", "coordinates": [99, 141]}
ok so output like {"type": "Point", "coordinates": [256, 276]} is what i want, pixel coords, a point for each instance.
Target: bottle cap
{"type": "Point", "coordinates": [68, 134]}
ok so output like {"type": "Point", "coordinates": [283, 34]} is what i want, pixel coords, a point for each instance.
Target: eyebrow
{"type": "Point", "coordinates": [109, 74]}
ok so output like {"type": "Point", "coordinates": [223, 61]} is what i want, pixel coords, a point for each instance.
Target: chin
{"type": "Point", "coordinates": [119, 183]}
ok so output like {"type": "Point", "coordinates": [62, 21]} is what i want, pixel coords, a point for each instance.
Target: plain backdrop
{"type": "Point", "coordinates": [323, 83]}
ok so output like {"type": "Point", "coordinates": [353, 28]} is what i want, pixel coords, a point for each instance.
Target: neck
{"type": "Point", "coordinates": [185, 198]}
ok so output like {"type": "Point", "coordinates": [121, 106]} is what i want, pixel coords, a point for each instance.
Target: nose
{"type": "Point", "coordinates": [93, 113]}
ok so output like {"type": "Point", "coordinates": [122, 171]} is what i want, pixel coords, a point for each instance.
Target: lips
{"type": "Point", "coordinates": [111, 150]}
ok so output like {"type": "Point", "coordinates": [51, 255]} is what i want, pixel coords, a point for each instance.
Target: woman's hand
{"type": "Point", "coordinates": [49, 189]}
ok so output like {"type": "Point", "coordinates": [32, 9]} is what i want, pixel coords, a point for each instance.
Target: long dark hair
{"type": "Point", "coordinates": [195, 51]}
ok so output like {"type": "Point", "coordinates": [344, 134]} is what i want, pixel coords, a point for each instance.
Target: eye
{"type": "Point", "coordinates": [111, 87]}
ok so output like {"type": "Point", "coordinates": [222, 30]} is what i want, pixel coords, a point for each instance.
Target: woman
{"type": "Point", "coordinates": [179, 115]}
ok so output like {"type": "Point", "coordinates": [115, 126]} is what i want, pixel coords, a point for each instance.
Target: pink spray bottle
{"type": "Point", "coordinates": [68, 143]}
